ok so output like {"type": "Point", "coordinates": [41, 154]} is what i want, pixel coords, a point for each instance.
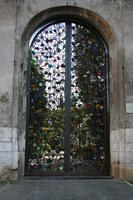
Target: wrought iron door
{"type": "Point", "coordinates": [67, 109]}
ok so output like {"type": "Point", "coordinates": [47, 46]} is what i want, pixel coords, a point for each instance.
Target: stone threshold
{"type": "Point", "coordinates": [67, 177]}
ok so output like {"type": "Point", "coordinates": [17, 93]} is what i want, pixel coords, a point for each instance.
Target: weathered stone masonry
{"type": "Point", "coordinates": [18, 20]}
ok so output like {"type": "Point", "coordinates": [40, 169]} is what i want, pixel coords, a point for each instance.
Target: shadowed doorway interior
{"type": "Point", "coordinates": [68, 100]}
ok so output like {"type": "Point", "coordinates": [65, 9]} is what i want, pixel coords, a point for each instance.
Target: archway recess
{"type": "Point", "coordinates": [103, 28]}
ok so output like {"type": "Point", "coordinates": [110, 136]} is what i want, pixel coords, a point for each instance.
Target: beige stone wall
{"type": "Point", "coordinates": [8, 136]}
{"type": "Point", "coordinates": [114, 19]}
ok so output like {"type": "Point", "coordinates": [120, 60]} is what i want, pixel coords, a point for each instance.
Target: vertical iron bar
{"type": "Point", "coordinates": [67, 97]}
{"type": "Point", "coordinates": [28, 110]}
{"type": "Point", "coordinates": [106, 116]}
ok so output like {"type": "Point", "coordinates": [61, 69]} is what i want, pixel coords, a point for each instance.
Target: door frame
{"type": "Point", "coordinates": [68, 20]}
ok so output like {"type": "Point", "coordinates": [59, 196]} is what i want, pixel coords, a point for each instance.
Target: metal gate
{"type": "Point", "coordinates": [68, 101]}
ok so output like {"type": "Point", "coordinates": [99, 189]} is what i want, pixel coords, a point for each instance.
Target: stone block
{"type": "Point", "coordinates": [5, 140]}
{"type": "Point", "coordinates": [129, 147]}
{"type": "Point", "coordinates": [5, 113]}
{"type": "Point", "coordinates": [129, 107]}
{"type": "Point", "coordinates": [8, 174]}
{"type": "Point", "coordinates": [5, 160]}
{"type": "Point", "coordinates": [8, 139]}
{"type": "Point", "coordinates": [121, 139]}
{"type": "Point", "coordinates": [15, 160]}
{"type": "Point", "coordinates": [14, 132]}
{"type": "Point", "coordinates": [122, 157]}
{"type": "Point", "coordinates": [5, 147]}
{"type": "Point", "coordinates": [121, 146]}
{"type": "Point", "coordinates": [129, 171]}
{"type": "Point", "coordinates": [129, 120]}
{"type": "Point", "coordinates": [22, 141]}
{"type": "Point", "coordinates": [114, 156]}
{"type": "Point", "coordinates": [5, 132]}
{"type": "Point", "coordinates": [21, 165]}
{"type": "Point", "coordinates": [14, 145]}
{"type": "Point", "coordinates": [129, 157]}
{"type": "Point", "coordinates": [114, 140]}
{"type": "Point", "coordinates": [14, 140]}
{"type": "Point", "coordinates": [5, 135]}
{"type": "Point", "coordinates": [129, 135]}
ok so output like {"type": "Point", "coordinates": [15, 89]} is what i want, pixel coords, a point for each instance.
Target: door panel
{"type": "Point", "coordinates": [46, 116]}
{"type": "Point", "coordinates": [67, 123]}
{"type": "Point", "coordinates": [88, 102]}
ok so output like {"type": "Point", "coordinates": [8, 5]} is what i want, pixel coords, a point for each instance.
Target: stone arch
{"type": "Point", "coordinates": [108, 34]}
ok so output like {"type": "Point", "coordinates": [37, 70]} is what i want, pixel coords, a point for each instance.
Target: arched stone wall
{"type": "Point", "coordinates": [22, 56]}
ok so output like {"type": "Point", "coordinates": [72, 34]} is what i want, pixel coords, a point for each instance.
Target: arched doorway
{"type": "Point", "coordinates": [68, 100]}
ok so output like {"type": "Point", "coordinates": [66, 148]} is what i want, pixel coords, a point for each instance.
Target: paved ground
{"type": "Point", "coordinates": [66, 190]}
